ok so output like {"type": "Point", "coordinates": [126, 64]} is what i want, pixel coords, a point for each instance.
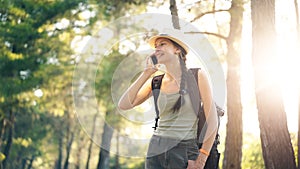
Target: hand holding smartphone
{"type": "Point", "coordinates": [154, 59]}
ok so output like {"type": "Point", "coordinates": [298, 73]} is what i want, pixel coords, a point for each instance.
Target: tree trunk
{"type": "Point", "coordinates": [103, 162]}
{"type": "Point", "coordinates": [117, 165]}
{"type": "Point", "coordinates": [60, 151]}
{"type": "Point", "coordinates": [68, 151]}
{"type": "Point", "coordinates": [9, 139]}
{"type": "Point", "coordinates": [174, 13]}
{"type": "Point", "coordinates": [234, 132]}
{"type": "Point", "coordinates": [91, 143]}
{"type": "Point", "coordinates": [298, 52]}
{"type": "Point", "coordinates": [81, 145]}
{"type": "Point", "coordinates": [30, 162]}
{"type": "Point", "coordinates": [275, 139]}
{"type": "Point", "coordinates": [23, 163]}
{"type": "Point", "coordinates": [3, 127]}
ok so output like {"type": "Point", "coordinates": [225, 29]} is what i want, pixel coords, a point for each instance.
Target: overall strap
{"type": "Point", "coordinates": [155, 85]}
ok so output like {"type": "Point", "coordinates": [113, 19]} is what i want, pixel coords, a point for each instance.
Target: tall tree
{"type": "Point", "coordinates": [34, 54]}
{"type": "Point", "coordinates": [110, 10]}
{"type": "Point", "coordinates": [298, 51]}
{"type": "Point", "coordinates": [91, 143]}
{"type": "Point", "coordinates": [174, 13]}
{"type": "Point", "coordinates": [103, 92]}
{"type": "Point", "coordinates": [234, 133]}
{"type": "Point", "coordinates": [276, 142]}
{"type": "Point", "coordinates": [105, 147]}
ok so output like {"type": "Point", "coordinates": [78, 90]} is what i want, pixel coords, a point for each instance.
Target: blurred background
{"type": "Point", "coordinates": [65, 63]}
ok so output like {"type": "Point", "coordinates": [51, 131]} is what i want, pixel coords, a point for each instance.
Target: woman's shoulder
{"type": "Point", "coordinates": [199, 72]}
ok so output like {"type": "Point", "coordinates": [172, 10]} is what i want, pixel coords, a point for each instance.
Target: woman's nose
{"type": "Point", "coordinates": [157, 50]}
{"type": "Point", "coordinates": [157, 47]}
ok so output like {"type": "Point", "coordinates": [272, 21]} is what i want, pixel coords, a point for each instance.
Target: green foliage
{"type": "Point", "coordinates": [127, 162]}
{"type": "Point", "coordinates": [35, 54]}
{"type": "Point", "coordinates": [26, 63]}
{"type": "Point", "coordinates": [27, 143]}
{"type": "Point", "coordinates": [113, 9]}
{"type": "Point", "coordinates": [294, 138]}
{"type": "Point", "coordinates": [26, 46]}
{"type": "Point", "coordinates": [2, 157]}
{"type": "Point", "coordinates": [106, 69]}
{"type": "Point", "coordinates": [252, 153]}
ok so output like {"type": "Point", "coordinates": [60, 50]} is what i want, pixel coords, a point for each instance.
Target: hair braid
{"type": "Point", "coordinates": [188, 84]}
{"type": "Point", "coordinates": [182, 90]}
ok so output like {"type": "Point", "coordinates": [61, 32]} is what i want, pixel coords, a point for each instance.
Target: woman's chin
{"type": "Point", "coordinates": [161, 67]}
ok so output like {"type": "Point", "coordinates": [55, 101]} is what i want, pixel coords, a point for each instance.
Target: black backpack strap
{"type": "Point", "coordinates": [155, 85]}
{"type": "Point", "coordinates": [214, 155]}
{"type": "Point", "coordinates": [195, 73]}
{"type": "Point", "coordinates": [201, 115]}
{"type": "Point", "coordinates": [220, 110]}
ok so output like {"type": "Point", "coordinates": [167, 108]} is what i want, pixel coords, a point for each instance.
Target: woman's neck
{"type": "Point", "coordinates": [173, 70]}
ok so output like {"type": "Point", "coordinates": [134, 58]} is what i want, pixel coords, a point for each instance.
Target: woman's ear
{"type": "Point", "coordinates": [177, 51]}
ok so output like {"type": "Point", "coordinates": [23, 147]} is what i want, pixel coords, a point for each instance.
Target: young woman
{"type": "Point", "coordinates": [173, 144]}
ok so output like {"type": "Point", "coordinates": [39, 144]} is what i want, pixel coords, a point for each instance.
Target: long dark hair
{"type": "Point", "coordinates": [184, 73]}
{"type": "Point", "coordinates": [188, 84]}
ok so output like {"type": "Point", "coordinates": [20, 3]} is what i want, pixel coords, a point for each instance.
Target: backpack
{"type": "Point", "coordinates": [214, 156]}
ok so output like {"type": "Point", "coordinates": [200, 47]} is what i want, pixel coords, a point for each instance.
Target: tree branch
{"type": "Point", "coordinates": [208, 33]}
{"type": "Point", "coordinates": [174, 13]}
{"type": "Point", "coordinates": [208, 12]}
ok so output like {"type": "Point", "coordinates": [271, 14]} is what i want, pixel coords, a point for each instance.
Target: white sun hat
{"type": "Point", "coordinates": [172, 34]}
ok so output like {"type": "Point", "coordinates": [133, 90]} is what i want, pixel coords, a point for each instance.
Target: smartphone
{"type": "Point", "coordinates": [154, 59]}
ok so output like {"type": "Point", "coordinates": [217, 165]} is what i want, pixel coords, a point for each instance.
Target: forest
{"type": "Point", "coordinates": [64, 65]}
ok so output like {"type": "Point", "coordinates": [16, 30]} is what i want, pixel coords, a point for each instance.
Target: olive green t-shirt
{"type": "Point", "coordinates": [181, 124]}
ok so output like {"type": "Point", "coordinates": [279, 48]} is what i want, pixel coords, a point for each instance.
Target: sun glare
{"type": "Point", "coordinates": [288, 53]}
{"type": "Point", "coordinates": [285, 70]}
{"type": "Point", "coordinates": [289, 80]}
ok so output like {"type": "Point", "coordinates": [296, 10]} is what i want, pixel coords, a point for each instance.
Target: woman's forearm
{"type": "Point", "coordinates": [209, 110]}
{"type": "Point", "coordinates": [212, 127]}
{"type": "Point", "coordinates": [133, 96]}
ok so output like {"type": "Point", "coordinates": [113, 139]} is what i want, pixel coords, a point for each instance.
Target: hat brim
{"type": "Point", "coordinates": [153, 39]}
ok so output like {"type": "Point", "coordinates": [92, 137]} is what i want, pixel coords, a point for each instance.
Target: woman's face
{"type": "Point", "coordinates": [165, 50]}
